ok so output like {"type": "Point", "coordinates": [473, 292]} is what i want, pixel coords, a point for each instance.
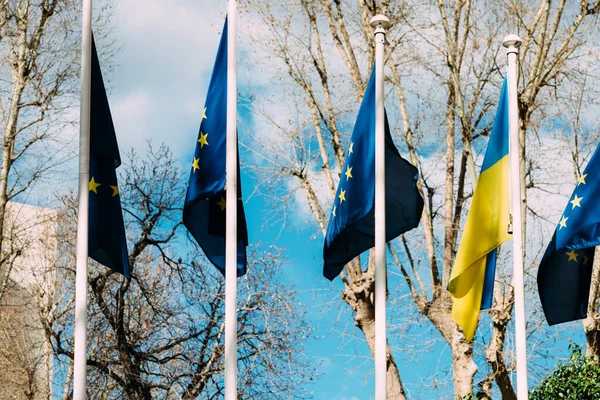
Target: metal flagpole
{"type": "Point", "coordinates": [512, 43]}
{"type": "Point", "coordinates": [231, 211]}
{"type": "Point", "coordinates": [79, 373]}
{"type": "Point", "coordinates": [380, 23]}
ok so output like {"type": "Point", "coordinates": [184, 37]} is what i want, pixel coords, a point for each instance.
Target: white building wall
{"type": "Point", "coordinates": [30, 249]}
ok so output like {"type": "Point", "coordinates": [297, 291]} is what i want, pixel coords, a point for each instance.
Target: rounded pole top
{"type": "Point", "coordinates": [380, 21]}
{"type": "Point", "coordinates": [512, 41]}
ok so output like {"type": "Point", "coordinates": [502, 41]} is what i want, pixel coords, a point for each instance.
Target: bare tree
{"type": "Point", "coordinates": [446, 55]}
{"type": "Point", "coordinates": [581, 141]}
{"type": "Point", "coordinates": [39, 71]}
{"type": "Point", "coordinates": [23, 361]}
{"type": "Point", "coordinates": [25, 357]}
{"type": "Point", "coordinates": [160, 335]}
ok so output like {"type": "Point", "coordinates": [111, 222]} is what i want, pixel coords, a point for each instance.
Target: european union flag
{"type": "Point", "coordinates": [351, 228]}
{"type": "Point", "coordinates": [205, 205]}
{"type": "Point", "coordinates": [565, 272]}
{"type": "Point", "coordinates": [106, 240]}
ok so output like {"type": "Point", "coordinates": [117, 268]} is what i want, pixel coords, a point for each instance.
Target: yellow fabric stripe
{"type": "Point", "coordinates": [485, 230]}
{"type": "Point", "coordinates": [466, 300]}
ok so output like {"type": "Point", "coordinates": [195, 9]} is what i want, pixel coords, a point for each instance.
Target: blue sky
{"type": "Point", "coordinates": [157, 89]}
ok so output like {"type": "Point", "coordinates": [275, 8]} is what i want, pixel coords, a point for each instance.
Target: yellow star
{"type": "Point", "coordinates": [563, 222]}
{"type": "Point", "coordinates": [576, 202]}
{"type": "Point", "coordinates": [342, 196]}
{"type": "Point", "coordinates": [585, 259]}
{"type": "Point", "coordinates": [582, 179]}
{"type": "Point", "coordinates": [222, 203]}
{"type": "Point", "coordinates": [204, 114]}
{"type": "Point", "coordinates": [93, 186]}
{"type": "Point", "coordinates": [572, 255]}
{"type": "Point", "coordinates": [115, 190]}
{"type": "Point", "coordinates": [203, 140]}
{"type": "Point", "coordinates": [349, 173]}
{"type": "Point", "coordinates": [195, 165]}
{"type": "Point", "coordinates": [350, 150]}
{"type": "Point", "coordinates": [333, 212]}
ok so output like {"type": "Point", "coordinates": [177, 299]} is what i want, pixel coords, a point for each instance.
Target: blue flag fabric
{"type": "Point", "coordinates": [106, 232]}
{"type": "Point", "coordinates": [565, 272]}
{"type": "Point", "coordinates": [205, 202]}
{"type": "Point", "coordinates": [351, 228]}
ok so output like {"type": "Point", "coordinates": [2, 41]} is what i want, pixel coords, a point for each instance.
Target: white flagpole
{"type": "Point", "coordinates": [512, 43]}
{"type": "Point", "coordinates": [231, 211]}
{"type": "Point", "coordinates": [80, 361]}
{"type": "Point", "coordinates": [380, 23]}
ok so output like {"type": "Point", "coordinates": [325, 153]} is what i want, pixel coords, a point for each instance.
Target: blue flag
{"type": "Point", "coordinates": [351, 228]}
{"type": "Point", "coordinates": [106, 240]}
{"type": "Point", "coordinates": [565, 272]}
{"type": "Point", "coordinates": [205, 205]}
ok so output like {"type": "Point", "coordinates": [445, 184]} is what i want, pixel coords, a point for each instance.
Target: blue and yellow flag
{"type": "Point", "coordinates": [351, 228]}
{"type": "Point", "coordinates": [565, 272]}
{"type": "Point", "coordinates": [472, 279]}
{"type": "Point", "coordinates": [205, 201]}
{"type": "Point", "coordinates": [106, 231]}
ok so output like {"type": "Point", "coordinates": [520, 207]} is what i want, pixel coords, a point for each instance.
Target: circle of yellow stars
{"type": "Point", "coordinates": [575, 203]}
{"type": "Point", "coordinates": [342, 192]}
{"type": "Point", "coordinates": [93, 187]}
{"type": "Point", "coordinates": [203, 141]}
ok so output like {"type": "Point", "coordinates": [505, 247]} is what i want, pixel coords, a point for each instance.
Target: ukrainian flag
{"type": "Point", "coordinates": [471, 283]}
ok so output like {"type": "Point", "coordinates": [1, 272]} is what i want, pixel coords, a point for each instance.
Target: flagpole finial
{"type": "Point", "coordinates": [512, 42]}
{"type": "Point", "coordinates": [380, 21]}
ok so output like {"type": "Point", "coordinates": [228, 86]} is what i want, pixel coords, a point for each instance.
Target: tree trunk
{"type": "Point", "coordinates": [450, 231]}
{"type": "Point", "coordinates": [359, 297]}
{"type": "Point", "coordinates": [18, 85]}
{"type": "Point", "coordinates": [463, 365]}
{"type": "Point", "coordinates": [394, 384]}
{"type": "Point", "coordinates": [494, 354]}
{"type": "Point", "coordinates": [591, 324]}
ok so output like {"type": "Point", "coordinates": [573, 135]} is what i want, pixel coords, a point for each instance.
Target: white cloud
{"type": "Point", "coordinates": [185, 20]}
{"type": "Point", "coordinates": [127, 110]}
{"type": "Point", "coordinates": [162, 71]}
